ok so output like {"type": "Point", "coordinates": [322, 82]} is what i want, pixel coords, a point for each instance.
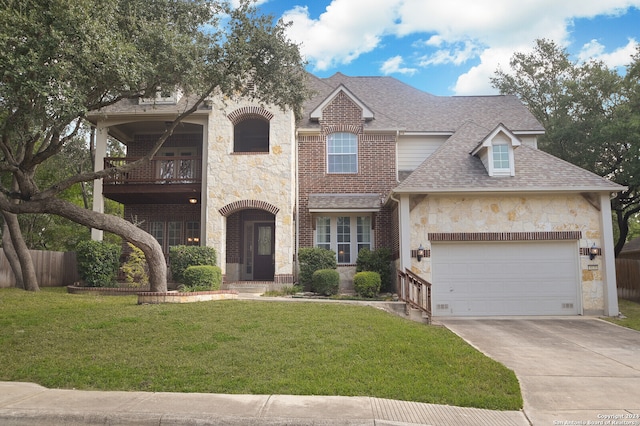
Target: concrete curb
{"type": "Point", "coordinates": [31, 404]}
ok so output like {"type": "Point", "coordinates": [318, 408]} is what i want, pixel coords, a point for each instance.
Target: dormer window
{"type": "Point", "coordinates": [496, 152]}
{"type": "Point", "coordinates": [162, 96]}
{"type": "Point", "coordinates": [500, 158]}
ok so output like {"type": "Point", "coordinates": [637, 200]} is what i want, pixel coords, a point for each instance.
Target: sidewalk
{"type": "Point", "coordinates": [31, 404]}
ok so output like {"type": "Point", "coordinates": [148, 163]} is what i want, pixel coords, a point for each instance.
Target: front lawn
{"type": "Point", "coordinates": [631, 310]}
{"type": "Point", "coordinates": [241, 347]}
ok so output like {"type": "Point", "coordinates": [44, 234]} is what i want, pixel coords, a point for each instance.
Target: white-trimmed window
{"type": "Point", "coordinates": [501, 157]}
{"type": "Point", "coordinates": [344, 234]}
{"type": "Point", "coordinates": [342, 153]}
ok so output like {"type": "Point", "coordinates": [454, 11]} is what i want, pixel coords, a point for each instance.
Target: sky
{"type": "Point", "coordinates": [452, 47]}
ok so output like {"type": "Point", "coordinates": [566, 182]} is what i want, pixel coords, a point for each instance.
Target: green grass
{"type": "Point", "coordinates": [631, 310]}
{"type": "Point", "coordinates": [241, 347]}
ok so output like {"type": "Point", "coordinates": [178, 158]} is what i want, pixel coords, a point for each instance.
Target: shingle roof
{"type": "Point", "coordinates": [364, 202]}
{"type": "Point", "coordinates": [399, 106]}
{"type": "Point", "coordinates": [451, 168]}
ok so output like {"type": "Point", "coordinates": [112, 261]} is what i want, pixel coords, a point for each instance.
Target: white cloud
{"type": "Point", "coordinates": [460, 30]}
{"type": "Point", "coordinates": [618, 58]}
{"type": "Point", "coordinates": [455, 55]}
{"type": "Point", "coordinates": [342, 32]}
{"type": "Point", "coordinates": [236, 3]}
{"type": "Point", "coordinates": [393, 66]}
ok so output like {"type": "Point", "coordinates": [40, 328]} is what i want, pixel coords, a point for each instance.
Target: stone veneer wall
{"type": "Point", "coordinates": [512, 214]}
{"type": "Point", "coordinates": [265, 177]}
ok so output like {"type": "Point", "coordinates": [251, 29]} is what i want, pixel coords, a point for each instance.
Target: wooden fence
{"type": "Point", "coordinates": [628, 278]}
{"type": "Point", "coordinates": [53, 268]}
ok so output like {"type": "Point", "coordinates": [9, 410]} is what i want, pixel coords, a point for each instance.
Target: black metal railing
{"type": "Point", "coordinates": [174, 169]}
{"type": "Point", "coordinates": [415, 291]}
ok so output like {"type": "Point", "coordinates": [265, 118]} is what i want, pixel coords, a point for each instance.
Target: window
{"type": "Point", "coordinates": [192, 233]}
{"type": "Point", "coordinates": [344, 239]}
{"type": "Point", "coordinates": [174, 233]}
{"type": "Point", "coordinates": [251, 135]}
{"type": "Point", "coordinates": [323, 232]}
{"type": "Point", "coordinates": [157, 230]}
{"type": "Point", "coordinates": [346, 235]}
{"type": "Point", "coordinates": [501, 157]}
{"type": "Point", "coordinates": [342, 153]}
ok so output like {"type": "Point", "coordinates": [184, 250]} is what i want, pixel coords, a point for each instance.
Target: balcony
{"type": "Point", "coordinates": [164, 180]}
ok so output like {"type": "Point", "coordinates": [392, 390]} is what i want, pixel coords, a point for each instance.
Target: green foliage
{"type": "Point", "coordinates": [285, 291]}
{"type": "Point", "coordinates": [591, 115]}
{"type": "Point", "coordinates": [135, 268]}
{"type": "Point", "coordinates": [367, 283]}
{"type": "Point", "coordinates": [181, 257]}
{"type": "Point", "coordinates": [377, 261]}
{"type": "Point", "coordinates": [98, 263]}
{"type": "Point", "coordinates": [313, 259]}
{"type": "Point", "coordinates": [202, 278]}
{"type": "Point", "coordinates": [325, 282]}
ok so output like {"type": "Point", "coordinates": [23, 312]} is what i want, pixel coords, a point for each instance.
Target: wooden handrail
{"type": "Point", "coordinates": [174, 169]}
{"type": "Point", "coordinates": [415, 291]}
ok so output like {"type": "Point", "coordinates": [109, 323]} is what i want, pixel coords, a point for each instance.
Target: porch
{"type": "Point", "coordinates": [163, 180]}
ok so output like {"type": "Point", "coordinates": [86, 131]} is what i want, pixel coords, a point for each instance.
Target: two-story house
{"type": "Point", "coordinates": [454, 186]}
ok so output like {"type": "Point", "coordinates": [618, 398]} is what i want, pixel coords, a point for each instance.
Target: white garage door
{"type": "Point", "coordinates": [515, 278]}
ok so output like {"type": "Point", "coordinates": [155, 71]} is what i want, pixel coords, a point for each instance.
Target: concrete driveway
{"type": "Point", "coordinates": [572, 371]}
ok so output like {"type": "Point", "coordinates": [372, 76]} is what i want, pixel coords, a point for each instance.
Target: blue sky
{"type": "Point", "coordinates": [452, 47]}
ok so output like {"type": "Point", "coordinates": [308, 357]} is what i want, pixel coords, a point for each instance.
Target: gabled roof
{"type": "Point", "coordinates": [398, 106]}
{"type": "Point", "coordinates": [316, 114]}
{"type": "Point", "coordinates": [451, 168]}
{"type": "Point", "coordinates": [487, 139]}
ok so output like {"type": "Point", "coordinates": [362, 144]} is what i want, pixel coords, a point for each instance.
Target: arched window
{"type": "Point", "coordinates": [251, 135]}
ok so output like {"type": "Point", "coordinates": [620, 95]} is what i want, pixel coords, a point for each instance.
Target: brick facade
{"type": "Point", "coordinates": [376, 167]}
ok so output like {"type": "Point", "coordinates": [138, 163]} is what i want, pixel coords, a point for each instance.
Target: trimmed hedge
{"type": "Point", "coordinates": [326, 282]}
{"type": "Point", "coordinates": [98, 263]}
{"type": "Point", "coordinates": [202, 278]}
{"type": "Point", "coordinates": [181, 257]}
{"type": "Point", "coordinates": [312, 259]}
{"type": "Point", "coordinates": [377, 261]}
{"type": "Point", "coordinates": [367, 283]}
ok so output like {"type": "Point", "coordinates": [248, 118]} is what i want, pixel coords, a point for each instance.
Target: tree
{"type": "Point", "coordinates": [590, 114]}
{"type": "Point", "coordinates": [62, 58]}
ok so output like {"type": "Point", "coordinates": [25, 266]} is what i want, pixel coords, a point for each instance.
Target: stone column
{"type": "Point", "coordinates": [98, 198]}
{"type": "Point", "coordinates": [610, 289]}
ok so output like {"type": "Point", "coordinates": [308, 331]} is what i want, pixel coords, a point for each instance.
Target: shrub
{"type": "Point", "coordinates": [326, 281]}
{"type": "Point", "coordinates": [135, 269]}
{"type": "Point", "coordinates": [202, 278]}
{"type": "Point", "coordinates": [181, 257]}
{"type": "Point", "coordinates": [314, 259]}
{"type": "Point", "coordinates": [98, 263]}
{"type": "Point", "coordinates": [367, 283]}
{"type": "Point", "coordinates": [376, 261]}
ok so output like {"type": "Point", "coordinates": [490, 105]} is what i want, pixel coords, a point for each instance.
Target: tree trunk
{"type": "Point", "coordinates": [10, 253]}
{"type": "Point", "coordinates": [106, 222]}
{"type": "Point", "coordinates": [29, 278]}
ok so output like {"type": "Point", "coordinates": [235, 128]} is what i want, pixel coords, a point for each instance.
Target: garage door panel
{"type": "Point", "coordinates": [505, 278]}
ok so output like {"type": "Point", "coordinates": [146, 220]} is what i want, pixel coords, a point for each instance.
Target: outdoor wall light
{"type": "Point", "coordinates": [193, 200]}
{"type": "Point", "coordinates": [420, 253]}
{"type": "Point", "coordinates": [593, 251]}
